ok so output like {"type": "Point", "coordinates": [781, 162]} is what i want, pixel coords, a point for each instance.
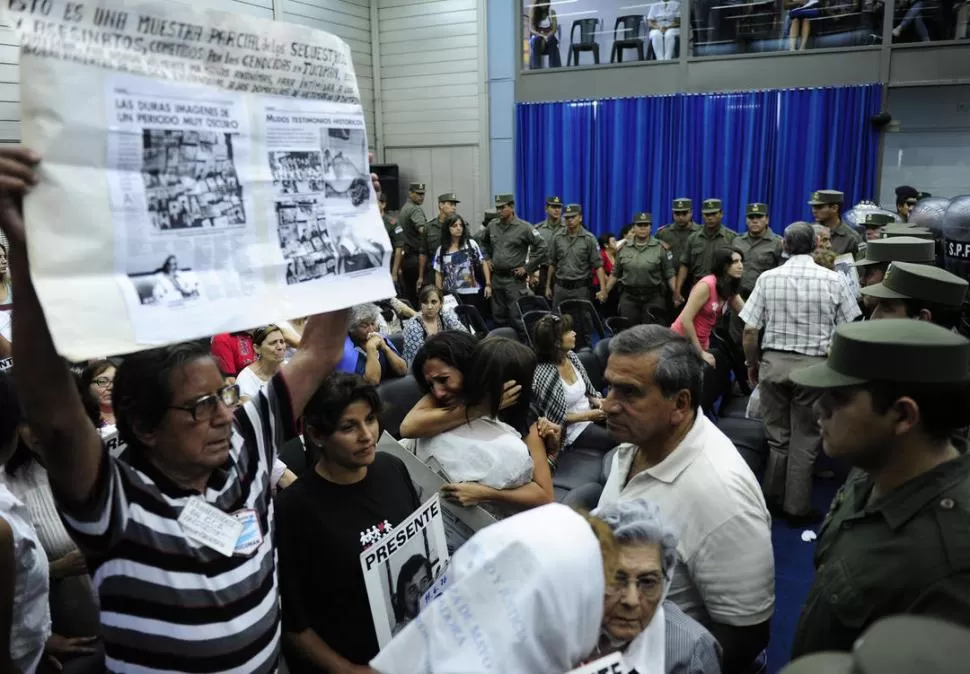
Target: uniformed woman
{"type": "Point", "coordinates": [643, 268]}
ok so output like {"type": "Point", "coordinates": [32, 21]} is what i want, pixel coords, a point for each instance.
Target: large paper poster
{"type": "Point", "coordinates": [202, 172]}
{"type": "Point", "coordinates": [401, 566]}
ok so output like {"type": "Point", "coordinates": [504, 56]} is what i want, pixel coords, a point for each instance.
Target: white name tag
{"type": "Point", "coordinates": [207, 525]}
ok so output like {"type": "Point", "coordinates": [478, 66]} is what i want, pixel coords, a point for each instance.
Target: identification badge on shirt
{"type": "Point", "coordinates": [252, 534]}
{"type": "Point", "coordinates": [206, 525]}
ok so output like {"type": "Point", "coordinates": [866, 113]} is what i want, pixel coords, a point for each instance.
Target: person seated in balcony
{"type": "Point", "coordinates": [543, 25]}
{"type": "Point", "coordinates": [801, 13]}
{"type": "Point", "coordinates": [664, 22]}
{"type": "Point", "coordinates": [914, 18]}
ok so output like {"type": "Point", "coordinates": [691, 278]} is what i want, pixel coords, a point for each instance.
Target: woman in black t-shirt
{"type": "Point", "coordinates": [351, 497]}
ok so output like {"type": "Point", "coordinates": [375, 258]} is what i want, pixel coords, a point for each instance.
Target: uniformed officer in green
{"type": "Point", "coordinates": [547, 228]}
{"type": "Point", "coordinates": [874, 223]}
{"type": "Point", "coordinates": [760, 247]}
{"type": "Point", "coordinates": [431, 240]}
{"type": "Point", "coordinates": [574, 256]}
{"type": "Point", "coordinates": [880, 252]}
{"type": "Point", "coordinates": [407, 264]}
{"type": "Point", "coordinates": [896, 539]}
{"type": "Point", "coordinates": [827, 210]}
{"type": "Point", "coordinates": [699, 252]}
{"type": "Point", "coordinates": [896, 645]}
{"type": "Point", "coordinates": [674, 236]}
{"type": "Point", "coordinates": [642, 269]}
{"type": "Point", "coordinates": [507, 242]}
{"type": "Point", "coordinates": [920, 291]}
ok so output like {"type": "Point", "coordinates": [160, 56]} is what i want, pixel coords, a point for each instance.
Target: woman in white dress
{"type": "Point", "coordinates": [270, 347]}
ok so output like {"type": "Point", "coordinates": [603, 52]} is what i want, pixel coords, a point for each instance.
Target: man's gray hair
{"type": "Point", "coordinates": [801, 238]}
{"type": "Point", "coordinates": [679, 365]}
{"type": "Point", "coordinates": [640, 522]}
{"type": "Point", "coordinates": [363, 313]}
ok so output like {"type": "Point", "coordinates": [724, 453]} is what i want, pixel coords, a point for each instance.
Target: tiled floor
{"type": "Point", "coordinates": [793, 574]}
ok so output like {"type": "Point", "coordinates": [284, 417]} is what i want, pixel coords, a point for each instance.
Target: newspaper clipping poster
{"type": "Point", "coordinates": [402, 566]}
{"type": "Point", "coordinates": [460, 523]}
{"type": "Point", "coordinates": [202, 172]}
{"type": "Point", "coordinates": [610, 664]}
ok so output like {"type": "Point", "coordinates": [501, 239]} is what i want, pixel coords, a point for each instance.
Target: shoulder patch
{"type": "Point", "coordinates": [535, 231]}
{"type": "Point", "coordinates": [398, 229]}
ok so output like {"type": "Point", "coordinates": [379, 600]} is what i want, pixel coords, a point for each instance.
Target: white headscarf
{"type": "Point", "coordinates": [522, 595]}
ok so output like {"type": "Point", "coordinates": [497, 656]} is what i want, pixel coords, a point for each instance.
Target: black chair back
{"type": "Point", "coordinates": [399, 396]}
{"type": "Point", "coordinates": [471, 319]}
{"type": "Point", "coordinates": [629, 27]}
{"type": "Point", "coordinates": [593, 367]}
{"type": "Point", "coordinates": [507, 332]}
{"type": "Point", "coordinates": [617, 324]}
{"type": "Point", "coordinates": [397, 339]}
{"type": "Point", "coordinates": [602, 351]}
{"type": "Point", "coordinates": [532, 303]}
{"type": "Point", "coordinates": [587, 31]}
{"type": "Point", "coordinates": [529, 320]}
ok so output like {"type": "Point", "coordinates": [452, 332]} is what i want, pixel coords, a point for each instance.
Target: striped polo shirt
{"type": "Point", "coordinates": [169, 604]}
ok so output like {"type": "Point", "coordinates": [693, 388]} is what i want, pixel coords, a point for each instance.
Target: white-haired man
{"type": "Point", "coordinates": [366, 351]}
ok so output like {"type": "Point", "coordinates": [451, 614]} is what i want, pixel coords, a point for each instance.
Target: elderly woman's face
{"type": "Point", "coordinates": [632, 599]}
{"type": "Point", "coordinates": [360, 331]}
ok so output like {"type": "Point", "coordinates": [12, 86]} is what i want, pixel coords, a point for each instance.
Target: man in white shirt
{"type": "Point", "coordinates": [799, 305]}
{"type": "Point", "coordinates": [664, 22]}
{"type": "Point", "coordinates": [678, 459]}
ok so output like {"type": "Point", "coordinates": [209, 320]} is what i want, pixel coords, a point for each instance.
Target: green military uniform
{"type": "Point", "coordinates": [573, 256]}
{"type": "Point", "coordinates": [674, 237]}
{"type": "Point", "coordinates": [908, 550]}
{"type": "Point", "coordinates": [412, 221]}
{"type": "Point", "coordinates": [895, 645]}
{"type": "Point", "coordinates": [880, 252]}
{"type": "Point", "coordinates": [761, 253]}
{"type": "Point", "coordinates": [844, 238]}
{"type": "Point", "coordinates": [698, 254]}
{"type": "Point", "coordinates": [547, 228]}
{"type": "Point", "coordinates": [874, 223]}
{"type": "Point", "coordinates": [924, 282]}
{"type": "Point", "coordinates": [433, 234]}
{"type": "Point", "coordinates": [507, 245]}
{"type": "Point", "coordinates": [643, 270]}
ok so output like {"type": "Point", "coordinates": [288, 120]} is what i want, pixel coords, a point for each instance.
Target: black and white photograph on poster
{"type": "Point", "coordinates": [167, 285]}
{"type": "Point", "coordinates": [296, 172]}
{"type": "Point", "coordinates": [191, 181]}
{"type": "Point", "coordinates": [305, 240]}
{"type": "Point", "coordinates": [345, 165]}
{"type": "Point", "coordinates": [402, 566]}
{"type": "Point", "coordinates": [356, 251]}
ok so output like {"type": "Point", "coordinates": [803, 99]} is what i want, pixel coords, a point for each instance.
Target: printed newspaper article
{"type": "Point", "coordinates": [460, 523]}
{"type": "Point", "coordinates": [400, 566]}
{"type": "Point", "coordinates": [610, 664]}
{"type": "Point", "coordinates": [214, 167]}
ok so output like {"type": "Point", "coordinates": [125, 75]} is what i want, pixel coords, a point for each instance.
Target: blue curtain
{"type": "Point", "coordinates": [620, 156]}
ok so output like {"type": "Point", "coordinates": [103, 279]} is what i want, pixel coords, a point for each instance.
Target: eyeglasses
{"type": "Point", "coordinates": [103, 382]}
{"type": "Point", "coordinates": [203, 408]}
{"type": "Point", "coordinates": [648, 587]}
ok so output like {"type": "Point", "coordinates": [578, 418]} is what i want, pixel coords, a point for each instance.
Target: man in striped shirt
{"type": "Point", "coordinates": [183, 586]}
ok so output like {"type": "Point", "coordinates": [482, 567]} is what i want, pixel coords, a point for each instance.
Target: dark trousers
{"type": "Point", "coordinates": [410, 266]}
{"type": "Point", "coordinates": [643, 308]}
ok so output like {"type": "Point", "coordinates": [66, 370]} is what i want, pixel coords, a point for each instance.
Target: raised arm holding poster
{"type": "Point", "coordinates": [401, 566]}
{"type": "Point", "coordinates": [202, 172]}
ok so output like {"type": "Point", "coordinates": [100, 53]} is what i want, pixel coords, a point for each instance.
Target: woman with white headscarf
{"type": "Point", "coordinates": [522, 595]}
{"type": "Point", "coordinates": [654, 635]}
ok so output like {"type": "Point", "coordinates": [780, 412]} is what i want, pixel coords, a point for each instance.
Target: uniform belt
{"type": "Point", "coordinates": [505, 273]}
{"type": "Point", "coordinates": [572, 284]}
{"type": "Point", "coordinates": [642, 291]}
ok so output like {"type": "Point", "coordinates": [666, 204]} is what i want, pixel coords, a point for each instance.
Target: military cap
{"type": "Point", "coordinates": [757, 209]}
{"type": "Point", "coordinates": [448, 196]}
{"type": "Point", "coordinates": [902, 644]}
{"type": "Point", "coordinates": [823, 197]}
{"type": "Point", "coordinates": [572, 209]}
{"type": "Point", "coordinates": [874, 220]}
{"type": "Point", "coordinates": [683, 204]}
{"type": "Point", "coordinates": [416, 187]}
{"type": "Point", "coordinates": [711, 206]}
{"type": "Point", "coordinates": [504, 200]}
{"type": "Point", "coordinates": [553, 201]}
{"type": "Point", "coordinates": [643, 219]}
{"type": "Point", "coordinates": [910, 281]}
{"type": "Point", "coordinates": [902, 229]}
{"type": "Point", "coordinates": [491, 214]}
{"type": "Point", "coordinates": [898, 249]}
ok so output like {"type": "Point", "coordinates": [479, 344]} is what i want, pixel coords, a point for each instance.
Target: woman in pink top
{"type": "Point", "coordinates": [708, 298]}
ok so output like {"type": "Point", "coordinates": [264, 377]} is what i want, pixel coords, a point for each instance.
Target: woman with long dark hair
{"type": "Point", "coordinates": [458, 261]}
{"type": "Point", "coordinates": [542, 35]}
{"type": "Point", "coordinates": [98, 378]}
{"type": "Point", "coordinates": [709, 299]}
